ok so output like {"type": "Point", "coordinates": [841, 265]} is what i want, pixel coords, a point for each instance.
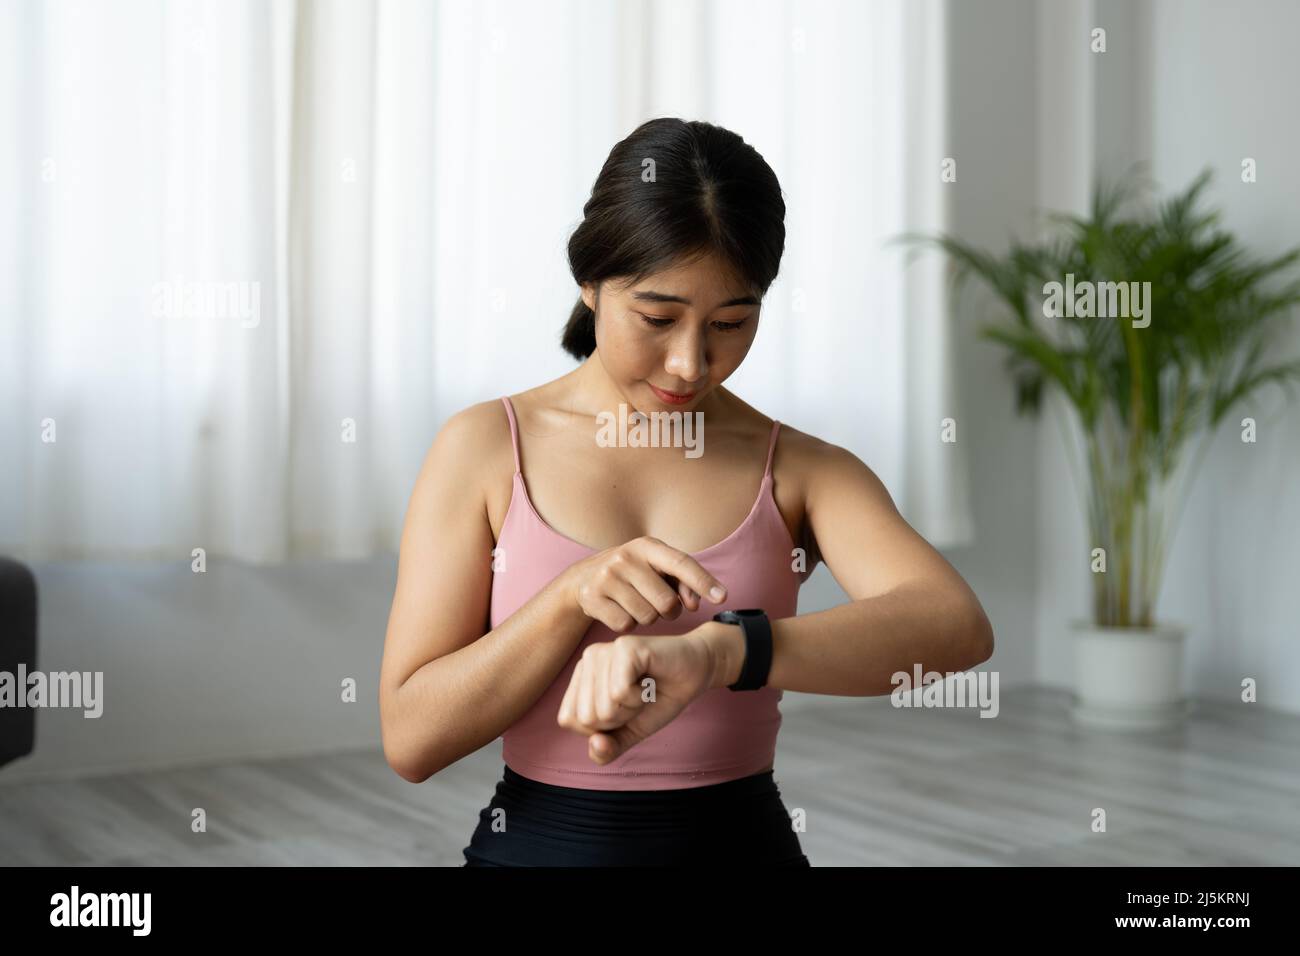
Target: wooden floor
{"type": "Point", "coordinates": [879, 786]}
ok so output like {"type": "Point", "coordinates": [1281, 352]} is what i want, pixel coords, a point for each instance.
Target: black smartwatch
{"type": "Point", "coordinates": [757, 629]}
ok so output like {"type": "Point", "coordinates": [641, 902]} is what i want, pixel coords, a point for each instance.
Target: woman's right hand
{"type": "Point", "coordinates": [637, 583]}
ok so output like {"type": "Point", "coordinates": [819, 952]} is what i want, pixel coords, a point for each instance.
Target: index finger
{"type": "Point", "coordinates": [680, 565]}
{"type": "Point", "coordinates": [685, 593]}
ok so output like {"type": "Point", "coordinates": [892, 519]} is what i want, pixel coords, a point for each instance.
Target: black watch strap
{"type": "Point", "coordinates": [757, 630]}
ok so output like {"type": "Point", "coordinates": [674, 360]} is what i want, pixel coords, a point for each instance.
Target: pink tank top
{"type": "Point", "coordinates": [722, 734]}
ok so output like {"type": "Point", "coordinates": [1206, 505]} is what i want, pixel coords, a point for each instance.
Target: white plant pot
{"type": "Point", "coordinates": [1129, 678]}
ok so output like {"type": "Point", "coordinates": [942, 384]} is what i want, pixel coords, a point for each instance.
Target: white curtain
{"type": "Point", "coordinates": [254, 253]}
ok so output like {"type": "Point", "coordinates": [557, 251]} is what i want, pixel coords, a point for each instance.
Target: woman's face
{"type": "Point", "coordinates": [669, 340]}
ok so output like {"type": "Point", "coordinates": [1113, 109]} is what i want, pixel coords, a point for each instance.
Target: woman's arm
{"type": "Point", "coordinates": [447, 688]}
{"type": "Point", "coordinates": [909, 605]}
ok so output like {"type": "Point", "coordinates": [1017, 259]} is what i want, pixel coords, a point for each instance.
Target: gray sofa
{"type": "Point", "coordinates": [17, 645]}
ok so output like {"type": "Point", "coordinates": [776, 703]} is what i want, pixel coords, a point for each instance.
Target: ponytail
{"type": "Point", "coordinates": [579, 338]}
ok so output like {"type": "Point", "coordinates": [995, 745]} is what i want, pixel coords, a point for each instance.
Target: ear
{"type": "Point", "coordinates": [589, 295]}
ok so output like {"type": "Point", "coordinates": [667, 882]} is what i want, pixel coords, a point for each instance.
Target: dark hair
{"type": "Point", "coordinates": [708, 191]}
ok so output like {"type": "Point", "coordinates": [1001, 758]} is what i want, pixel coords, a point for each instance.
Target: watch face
{"type": "Point", "coordinates": [734, 617]}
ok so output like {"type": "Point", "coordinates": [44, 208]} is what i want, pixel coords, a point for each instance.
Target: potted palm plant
{"type": "Point", "coordinates": [1194, 345]}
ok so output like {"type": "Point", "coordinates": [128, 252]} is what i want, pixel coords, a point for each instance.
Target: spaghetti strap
{"type": "Point", "coordinates": [514, 432]}
{"type": "Point", "coordinates": [771, 447]}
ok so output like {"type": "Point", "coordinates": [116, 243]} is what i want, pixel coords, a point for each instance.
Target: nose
{"type": "Point", "coordinates": [687, 359]}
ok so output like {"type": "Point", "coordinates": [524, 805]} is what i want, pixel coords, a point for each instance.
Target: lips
{"type": "Point", "coordinates": [671, 398]}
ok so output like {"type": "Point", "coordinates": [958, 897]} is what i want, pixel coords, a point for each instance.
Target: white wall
{"type": "Point", "coordinates": [991, 107]}
{"type": "Point", "coordinates": [1189, 84]}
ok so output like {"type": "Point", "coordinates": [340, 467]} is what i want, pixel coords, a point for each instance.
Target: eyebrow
{"type": "Point", "coordinates": [647, 296]}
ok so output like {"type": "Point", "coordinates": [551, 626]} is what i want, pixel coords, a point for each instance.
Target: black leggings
{"type": "Point", "coordinates": [739, 821]}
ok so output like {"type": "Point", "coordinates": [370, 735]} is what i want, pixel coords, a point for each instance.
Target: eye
{"type": "Point", "coordinates": [729, 326]}
{"type": "Point", "coordinates": [660, 322]}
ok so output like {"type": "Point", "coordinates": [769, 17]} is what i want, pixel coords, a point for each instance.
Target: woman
{"type": "Point", "coordinates": [559, 575]}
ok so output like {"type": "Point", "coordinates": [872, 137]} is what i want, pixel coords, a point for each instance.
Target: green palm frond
{"type": "Point", "coordinates": [1141, 394]}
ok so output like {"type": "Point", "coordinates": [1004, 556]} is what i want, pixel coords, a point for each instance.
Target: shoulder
{"type": "Point", "coordinates": [825, 484]}
{"type": "Point", "coordinates": [820, 469]}
{"type": "Point", "coordinates": [470, 439]}
{"type": "Point", "coordinates": [475, 432]}
{"type": "Point", "coordinates": [802, 452]}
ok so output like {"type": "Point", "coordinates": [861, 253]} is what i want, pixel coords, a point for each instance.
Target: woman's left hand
{"type": "Point", "coordinates": [624, 690]}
